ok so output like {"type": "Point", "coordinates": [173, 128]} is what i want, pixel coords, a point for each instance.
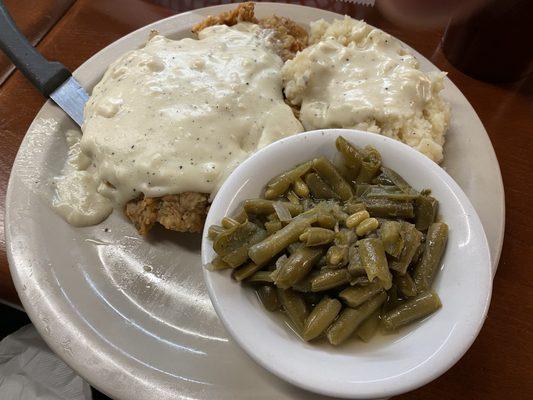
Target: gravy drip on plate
{"type": "Point", "coordinates": [179, 115]}
{"type": "Point", "coordinates": [76, 198]}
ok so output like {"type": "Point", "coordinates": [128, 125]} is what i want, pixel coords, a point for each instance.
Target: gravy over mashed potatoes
{"type": "Point", "coordinates": [356, 76]}
{"type": "Point", "coordinates": [179, 115]}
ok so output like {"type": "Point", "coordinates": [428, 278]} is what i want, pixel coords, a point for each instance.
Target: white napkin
{"type": "Point", "coordinates": [29, 370]}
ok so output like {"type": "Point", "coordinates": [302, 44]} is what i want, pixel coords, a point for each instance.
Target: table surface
{"type": "Point", "coordinates": [500, 363]}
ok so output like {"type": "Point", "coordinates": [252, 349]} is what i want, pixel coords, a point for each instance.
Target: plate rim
{"type": "Point", "coordinates": [85, 372]}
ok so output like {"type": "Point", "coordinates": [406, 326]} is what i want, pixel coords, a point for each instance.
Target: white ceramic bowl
{"type": "Point", "coordinates": [388, 365]}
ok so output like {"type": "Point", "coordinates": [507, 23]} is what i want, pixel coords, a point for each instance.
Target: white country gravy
{"type": "Point", "coordinates": [177, 116]}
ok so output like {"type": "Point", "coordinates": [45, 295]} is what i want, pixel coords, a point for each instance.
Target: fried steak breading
{"type": "Point", "coordinates": [183, 212]}
{"type": "Point", "coordinates": [243, 13]}
{"type": "Point", "coordinates": [289, 36]}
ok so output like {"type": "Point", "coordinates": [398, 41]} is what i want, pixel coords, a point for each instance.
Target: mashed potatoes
{"type": "Point", "coordinates": [356, 76]}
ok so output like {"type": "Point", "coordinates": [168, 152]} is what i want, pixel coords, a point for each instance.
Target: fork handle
{"type": "Point", "coordinates": [45, 75]}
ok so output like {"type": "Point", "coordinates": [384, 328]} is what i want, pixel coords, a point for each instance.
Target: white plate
{"type": "Point", "coordinates": [133, 316]}
{"type": "Point", "coordinates": [389, 364]}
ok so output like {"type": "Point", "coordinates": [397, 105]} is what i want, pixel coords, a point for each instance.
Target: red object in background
{"type": "Point", "coordinates": [494, 43]}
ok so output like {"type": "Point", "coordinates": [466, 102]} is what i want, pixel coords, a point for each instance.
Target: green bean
{"type": "Point", "coordinates": [425, 212]}
{"type": "Point", "coordinates": [245, 271]}
{"type": "Point", "coordinates": [318, 188]}
{"type": "Point", "coordinates": [272, 217]}
{"type": "Point", "coordinates": [281, 183]}
{"type": "Point", "coordinates": [330, 279]}
{"type": "Point", "coordinates": [314, 236]}
{"type": "Point", "coordinates": [262, 206]}
{"type": "Point", "coordinates": [351, 318]}
{"type": "Point", "coordinates": [321, 317]}
{"type": "Point", "coordinates": [330, 175]}
{"type": "Point", "coordinates": [327, 221]}
{"type": "Point", "coordinates": [352, 207]}
{"type": "Point", "coordinates": [291, 248]}
{"type": "Point", "coordinates": [214, 231]}
{"type": "Point", "coordinates": [351, 155]}
{"type": "Point", "coordinates": [278, 266]}
{"type": "Point", "coordinates": [370, 165]}
{"type": "Point", "coordinates": [386, 208]}
{"type": "Point", "coordinates": [295, 306]}
{"type": "Point", "coordinates": [304, 285]}
{"type": "Point", "coordinates": [355, 267]}
{"type": "Point", "coordinates": [428, 266]}
{"type": "Point", "coordinates": [237, 257]}
{"type": "Point", "coordinates": [391, 237]}
{"type": "Point", "coordinates": [418, 254]}
{"type": "Point", "coordinates": [240, 215]}
{"type": "Point", "coordinates": [269, 297]}
{"type": "Point", "coordinates": [412, 238]}
{"type": "Point", "coordinates": [368, 327]}
{"type": "Point", "coordinates": [393, 299]}
{"type": "Point", "coordinates": [375, 262]}
{"type": "Point", "coordinates": [236, 252]}
{"type": "Point", "coordinates": [273, 226]}
{"type": "Point", "coordinates": [236, 237]}
{"type": "Point", "coordinates": [263, 277]}
{"type": "Point", "coordinates": [283, 213]}
{"type": "Point", "coordinates": [411, 310]}
{"type": "Point", "coordinates": [263, 251]}
{"type": "Point", "coordinates": [361, 280]}
{"type": "Point", "coordinates": [337, 255]}
{"type": "Point", "coordinates": [228, 223]}
{"type": "Point", "coordinates": [300, 188]}
{"type": "Point", "coordinates": [231, 239]}
{"type": "Point", "coordinates": [383, 180]}
{"type": "Point", "coordinates": [292, 197]}
{"type": "Point", "coordinates": [355, 296]}
{"type": "Point", "coordinates": [389, 192]}
{"type": "Point", "coordinates": [361, 190]}
{"type": "Point", "coordinates": [398, 181]}
{"type": "Point", "coordinates": [297, 266]}
{"type": "Point", "coordinates": [405, 285]}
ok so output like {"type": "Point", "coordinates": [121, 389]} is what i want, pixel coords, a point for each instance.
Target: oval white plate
{"type": "Point", "coordinates": [141, 333]}
{"type": "Point", "coordinates": [388, 365]}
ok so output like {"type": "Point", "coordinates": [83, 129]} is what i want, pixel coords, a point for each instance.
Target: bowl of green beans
{"type": "Point", "coordinates": [347, 263]}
